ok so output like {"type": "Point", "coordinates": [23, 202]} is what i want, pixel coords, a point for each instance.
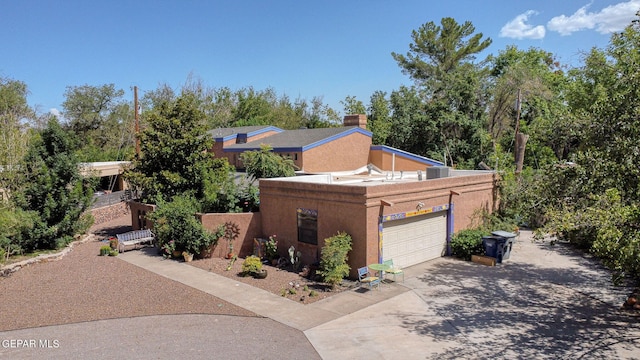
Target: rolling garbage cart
{"type": "Point", "coordinates": [498, 245]}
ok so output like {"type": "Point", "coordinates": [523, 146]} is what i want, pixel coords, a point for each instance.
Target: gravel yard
{"type": "Point", "coordinates": [282, 282]}
{"type": "Point", "coordinates": [83, 286]}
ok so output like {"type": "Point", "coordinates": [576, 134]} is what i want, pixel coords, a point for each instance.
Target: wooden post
{"type": "Point", "coordinates": [521, 141]}
{"type": "Point", "coordinates": [517, 130]}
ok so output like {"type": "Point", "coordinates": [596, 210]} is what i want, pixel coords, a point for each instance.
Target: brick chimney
{"type": "Point", "coordinates": [356, 120]}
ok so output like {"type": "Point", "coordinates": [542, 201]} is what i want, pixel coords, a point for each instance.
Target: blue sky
{"type": "Point", "coordinates": [299, 48]}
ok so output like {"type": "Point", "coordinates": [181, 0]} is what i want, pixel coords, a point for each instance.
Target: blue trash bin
{"type": "Point", "coordinates": [490, 244]}
{"type": "Point", "coordinates": [505, 243]}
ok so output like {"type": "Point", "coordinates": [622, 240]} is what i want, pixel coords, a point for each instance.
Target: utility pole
{"type": "Point", "coordinates": [520, 140]}
{"type": "Point", "coordinates": [137, 120]}
{"type": "Point", "coordinates": [518, 106]}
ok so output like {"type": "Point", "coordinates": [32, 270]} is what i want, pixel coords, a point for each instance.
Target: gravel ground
{"type": "Point", "coordinates": [278, 281]}
{"type": "Point", "coordinates": [83, 286]}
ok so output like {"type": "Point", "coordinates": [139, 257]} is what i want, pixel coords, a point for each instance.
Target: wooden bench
{"type": "Point", "coordinates": [134, 238]}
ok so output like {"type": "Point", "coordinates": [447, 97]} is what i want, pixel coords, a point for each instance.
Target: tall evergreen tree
{"type": "Point", "coordinates": [54, 190]}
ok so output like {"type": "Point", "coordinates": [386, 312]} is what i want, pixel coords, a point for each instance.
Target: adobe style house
{"type": "Point", "coordinates": [394, 204]}
{"type": "Point", "coordinates": [407, 219]}
{"type": "Point", "coordinates": [318, 150]}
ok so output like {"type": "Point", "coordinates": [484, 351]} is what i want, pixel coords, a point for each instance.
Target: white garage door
{"type": "Point", "coordinates": [415, 239]}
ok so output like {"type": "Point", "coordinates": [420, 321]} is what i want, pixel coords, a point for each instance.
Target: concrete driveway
{"type": "Point", "coordinates": [543, 303]}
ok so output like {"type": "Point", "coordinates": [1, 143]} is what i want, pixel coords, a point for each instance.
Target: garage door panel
{"type": "Point", "coordinates": [415, 239]}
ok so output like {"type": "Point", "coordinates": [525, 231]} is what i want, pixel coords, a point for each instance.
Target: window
{"type": "Point", "coordinates": [307, 226]}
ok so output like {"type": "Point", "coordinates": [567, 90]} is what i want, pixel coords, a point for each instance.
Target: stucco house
{"type": "Point", "coordinates": [394, 204]}
{"type": "Point", "coordinates": [318, 150]}
{"type": "Point", "coordinates": [408, 219]}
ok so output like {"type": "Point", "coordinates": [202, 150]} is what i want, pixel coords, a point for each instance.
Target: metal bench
{"type": "Point", "coordinates": [135, 238]}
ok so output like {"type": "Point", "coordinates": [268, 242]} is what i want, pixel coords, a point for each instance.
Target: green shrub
{"type": "Point", "coordinates": [333, 262]}
{"type": "Point", "coordinates": [105, 250]}
{"type": "Point", "coordinates": [252, 265]}
{"type": "Point", "coordinates": [467, 242]}
{"type": "Point", "coordinates": [176, 221]}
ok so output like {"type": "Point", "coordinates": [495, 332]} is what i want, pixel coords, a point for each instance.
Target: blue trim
{"type": "Point", "coordinates": [226, 138]}
{"type": "Point", "coordinates": [249, 134]}
{"type": "Point", "coordinates": [418, 158]}
{"type": "Point", "coordinates": [337, 136]}
{"type": "Point", "coordinates": [275, 150]}
{"type": "Point", "coordinates": [449, 228]}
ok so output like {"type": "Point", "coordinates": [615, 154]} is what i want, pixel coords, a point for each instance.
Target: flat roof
{"type": "Point", "coordinates": [376, 178]}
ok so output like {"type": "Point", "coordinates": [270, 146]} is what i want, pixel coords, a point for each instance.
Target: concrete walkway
{"type": "Point", "coordinates": [543, 303]}
{"type": "Point", "coordinates": [261, 302]}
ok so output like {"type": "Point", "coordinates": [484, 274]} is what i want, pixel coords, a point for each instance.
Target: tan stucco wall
{"type": "Point", "coordinates": [356, 209]}
{"type": "Point", "coordinates": [248, 223]}
{"type": "Point", "coordinates": [384, 161]}
{"type": "Point", "coordinates": [138, 215]}
{"type": "Point", "coordinates": [339, 209]}
{"type": "Point", "coordinates": [346, 153]}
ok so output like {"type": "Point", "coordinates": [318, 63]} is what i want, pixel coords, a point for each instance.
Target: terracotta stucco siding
{"type": "Point", "coordinates": [384, 161]}
{"type": "Point", "coordinates": [339, 209]}
{"type": "Point", "coordinates": [356, 209]}
{"type": "Point", "coordinates": [249, 225]}
{"type": "Point", "coordinates": [346, 153]}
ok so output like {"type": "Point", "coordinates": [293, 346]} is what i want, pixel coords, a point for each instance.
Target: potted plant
{"type": "Point", "coordinates": [188, 257]}
{"type": "Point", "coordinates": [168, 249]}
{"type": "Point", "coordinates": [253, 266]}
{"type": "Point", "coordinates": [113, 243]}
{"type": "Point", "coordinates": [105, 250]}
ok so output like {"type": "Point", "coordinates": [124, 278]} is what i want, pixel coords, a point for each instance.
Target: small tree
{"type": "Point", "coordinates": [266, 164]}
{"type": "Point", "coordinates": [333, 263]}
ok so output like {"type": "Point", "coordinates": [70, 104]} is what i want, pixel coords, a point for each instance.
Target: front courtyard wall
{"type": "Point", "coordinates": [139, 212]}
{"type": "Point", "coordinates": [249, 225]}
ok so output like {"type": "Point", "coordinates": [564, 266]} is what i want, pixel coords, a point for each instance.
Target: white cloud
{"type": "Point", "coordinates": [519, 29]}
{"type": "Point", "coordinates": [610, 19]}
{"type": "Point", "coordinates": [56, 113]}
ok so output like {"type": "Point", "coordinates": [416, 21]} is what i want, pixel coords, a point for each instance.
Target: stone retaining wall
{"type": "Point", "coordinates": [111, 212]}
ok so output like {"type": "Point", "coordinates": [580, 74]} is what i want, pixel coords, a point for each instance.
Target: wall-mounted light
{"type": "Point", "coordinates": [420, 205]}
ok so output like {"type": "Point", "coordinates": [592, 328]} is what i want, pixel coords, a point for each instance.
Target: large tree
{"type": "Point", "coordinates": [101, 121]}
{"type": "Point", "coordinates": [595, 201]}
{"type": "Point", "coordinates": [440, 61]}
{"type": "Point", "coordinates": [14, 134]}
{"type": "Point", "coordinates": [439, 50]}
{"type": "Point", "coordinates": [174, 156]}
{"type": "Point", "coordinates": [54, 190]}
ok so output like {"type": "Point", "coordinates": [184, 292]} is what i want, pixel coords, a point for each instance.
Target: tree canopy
{"type": "Point", "coordinates": [175, 156]}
